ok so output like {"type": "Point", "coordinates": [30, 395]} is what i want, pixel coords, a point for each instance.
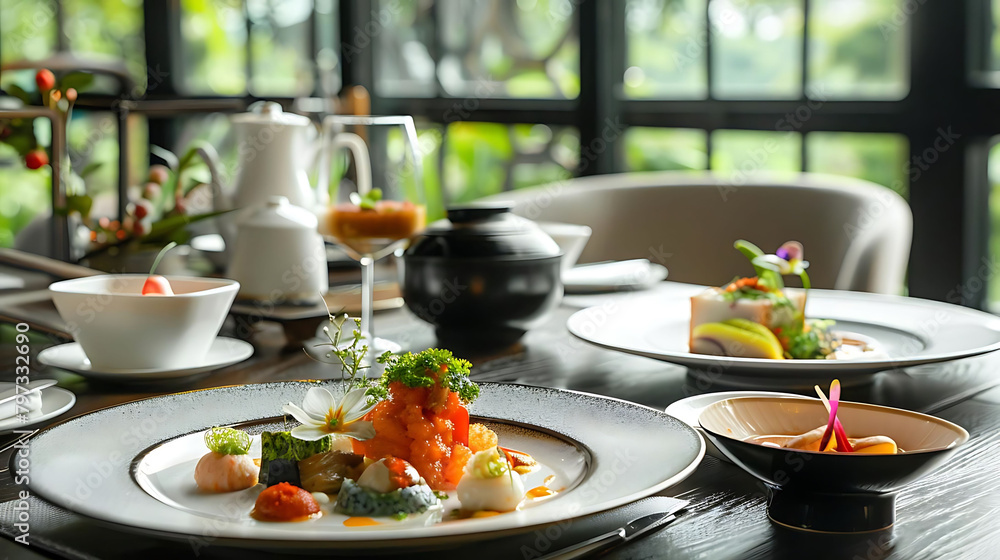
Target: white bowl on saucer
{"type": "Point", "coordinates": [571, 238]}
{"type": "Point", "coordinates": [119, 328]}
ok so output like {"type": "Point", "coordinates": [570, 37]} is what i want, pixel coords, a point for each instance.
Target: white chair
{"type": "Point", "coordinates": [856, 234]}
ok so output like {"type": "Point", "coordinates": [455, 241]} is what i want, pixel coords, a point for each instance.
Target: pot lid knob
{"type": "Point", "coordinates": [474, 212]}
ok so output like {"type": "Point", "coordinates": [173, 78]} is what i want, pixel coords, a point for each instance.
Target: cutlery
{"type": "Point", "coordinates": [31, 391]}
{"type": "Point", "coordinates": [635, 529]}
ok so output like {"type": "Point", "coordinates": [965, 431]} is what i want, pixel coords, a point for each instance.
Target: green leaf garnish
{"type": "Point", "coordinates": [368, 200]}
{"type": "Point", "coordinates": [400, 515]}
{"type": "Point", "coordinates": [159, 256]}
{"type": "Point", "coordinates": [227, 441]}
{"type": "Point", "coordinates": [423, 370]}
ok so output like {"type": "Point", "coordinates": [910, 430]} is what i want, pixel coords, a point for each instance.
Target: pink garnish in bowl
{"type": "Point", "coordinates": [834, 427]}
{"type": "Point", "coordinates": [155, 284]}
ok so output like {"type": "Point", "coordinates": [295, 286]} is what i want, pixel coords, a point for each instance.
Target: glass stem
{"type": "Point", "coordinates": [367, 297]}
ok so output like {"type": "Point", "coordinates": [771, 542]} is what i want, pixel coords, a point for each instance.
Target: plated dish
{"type": "Point", "coordinates": [830, 490]}
{"type": "Point", "coordinates": [369, 225]}
{"type": "Point", "coordinates": [910, 332]}
{"type": "Point", "coordinates": [576, 440]}
{"type": "Point", "coordinates": [758, 317]}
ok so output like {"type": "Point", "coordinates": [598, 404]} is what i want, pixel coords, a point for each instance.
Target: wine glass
{"type": "Point", "coordinates": [375, 214]}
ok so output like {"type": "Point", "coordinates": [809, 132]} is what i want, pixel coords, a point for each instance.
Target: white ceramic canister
{"type": "Point", "coordinates": [279, 257]}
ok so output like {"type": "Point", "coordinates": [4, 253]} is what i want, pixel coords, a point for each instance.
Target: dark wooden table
{"type": "Point", "coordinates": [951, 514]}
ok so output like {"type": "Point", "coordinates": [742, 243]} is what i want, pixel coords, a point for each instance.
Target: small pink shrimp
{"type": "Point", "coordinates": [225, 473]}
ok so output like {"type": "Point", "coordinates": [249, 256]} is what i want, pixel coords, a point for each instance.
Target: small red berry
{"type": "Point", "coordinates": [141, 227]}
{"type": "Point", "coordinates": [36, 159]}
{"type": "Point", "coordinates": [143, 208]}
{"type": "Point", "coordinates": [158, 174]}
{"type": "Point", "coordinates": [45, 79]}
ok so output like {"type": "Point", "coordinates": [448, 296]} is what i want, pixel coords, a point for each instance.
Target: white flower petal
{"type": "Point", "coordinates": [309, 433]}
{"type": "Point", "coordinates": [353, 405]}
{"type": "Point", "coordinates": [783, 266]}
{"type": "Point", "coordinates": [301, 415]}
{"type": "Point", "coordinates": [358, 412]}
{"type": "Point", "coordinates": [318, 402]}
{"type": "Point", "coordinates": [358, 430]}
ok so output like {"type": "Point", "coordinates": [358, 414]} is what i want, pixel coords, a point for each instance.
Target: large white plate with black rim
{"type": "Point", "coordinates": [132, 465]}
{"type": "Point", "coordinates": [911, 331]}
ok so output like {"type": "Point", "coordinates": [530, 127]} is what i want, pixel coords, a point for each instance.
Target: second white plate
{"type": "Point", "coordinates": [911, 331]}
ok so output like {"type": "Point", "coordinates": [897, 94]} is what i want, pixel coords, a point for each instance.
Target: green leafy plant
{"type": "Point", "coordinates": [159, 216]}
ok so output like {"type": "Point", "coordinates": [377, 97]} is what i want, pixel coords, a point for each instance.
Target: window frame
{"type": "Point", "coordinates": [948, 199]}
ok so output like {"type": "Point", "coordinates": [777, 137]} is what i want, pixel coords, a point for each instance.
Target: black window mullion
{"type": "Point", "coordinates": [249, 48]}
{"type": "Point", "coordinates": [595, 105]}
{"type": "Point", "coordinates": [804, 153]}
{"type": "Point", "coordinates": [709, 87]}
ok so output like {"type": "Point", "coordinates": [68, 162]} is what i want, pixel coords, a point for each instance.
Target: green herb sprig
{"type": "Point", "coordinates": [422, 370]}
{"type": "Point", "coordinates": [351, 357]}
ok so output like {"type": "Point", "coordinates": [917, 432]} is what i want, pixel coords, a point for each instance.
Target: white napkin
{"type": "Point", "coordinates": [26, 399]}
{"type": "Point", "coordinates": [613, 276]}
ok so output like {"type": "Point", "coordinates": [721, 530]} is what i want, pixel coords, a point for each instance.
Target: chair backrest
{"type": "Point", "coordinates": [856, 234]}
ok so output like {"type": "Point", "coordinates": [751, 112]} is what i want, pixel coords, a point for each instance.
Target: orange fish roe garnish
{"type": "Point", "coordinates": [751, 282]}
{"type": "Point", "coordinates": [407, 429]}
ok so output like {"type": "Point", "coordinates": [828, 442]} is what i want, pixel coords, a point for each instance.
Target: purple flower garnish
{"type": "Point", "coordinates": [790, 250]}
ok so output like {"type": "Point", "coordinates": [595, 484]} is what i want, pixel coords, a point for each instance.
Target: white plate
{"type": "Point", "coordinates": [55, 401]}
{"type": "Point", "coordinates": [607, 452]}
{"type": "Point", "coordinates": [911, 331]}
{"type": "Point", "coordinates": [688, 410]}
{"type": "Point", "coordinates": [223, 352]}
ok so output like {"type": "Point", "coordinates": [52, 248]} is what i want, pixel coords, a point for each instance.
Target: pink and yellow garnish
{"type": "Point", "coordinates": [833, 426]}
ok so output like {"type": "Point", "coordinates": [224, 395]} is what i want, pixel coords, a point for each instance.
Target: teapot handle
{"type": "Point", "coordinates": [333, 141]}
{"type": "Point", "coordinates": [211, 158]}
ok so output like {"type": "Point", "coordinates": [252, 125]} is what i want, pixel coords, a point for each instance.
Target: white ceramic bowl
{"type": "Point", "coordinates": [571, 239]}
{"type": "Point", "coordinates": [830, 492]}
{"type": "Point", "coordinates": [119, 328]}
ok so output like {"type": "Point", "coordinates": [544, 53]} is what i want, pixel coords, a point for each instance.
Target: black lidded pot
{"type": "Point", "coordinates": [482, 277]}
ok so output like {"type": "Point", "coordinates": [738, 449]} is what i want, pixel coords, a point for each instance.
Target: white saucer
{"type": "Point", "coordinates": [70, 357]}
{"type": "Point", "coordinates": [55, 401]}
{"type": "Point", "coordinates": [619, 276]}
{"type": "Point", "coordinates": [688, 410]}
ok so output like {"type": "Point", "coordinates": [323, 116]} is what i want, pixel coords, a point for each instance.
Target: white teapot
{"type": "Point", "coordinates": [276, 151]}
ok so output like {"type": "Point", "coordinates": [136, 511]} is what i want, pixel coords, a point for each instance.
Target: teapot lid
{"type": "Point", "coordinates": [269, 112]}
{"type": "Point", "coordinates": [483, 230]}
{"type": "Point", "coordinates": [278, 213]}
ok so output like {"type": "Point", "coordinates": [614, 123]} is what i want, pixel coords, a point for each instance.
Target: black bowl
{"type": "Point", "coordinates": [483, 277]}
{"type": "Point", "coordinates": [830, 492]}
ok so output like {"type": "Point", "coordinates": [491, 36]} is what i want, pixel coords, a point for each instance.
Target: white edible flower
{"type": "Point", "coordinates": [321, 415]}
